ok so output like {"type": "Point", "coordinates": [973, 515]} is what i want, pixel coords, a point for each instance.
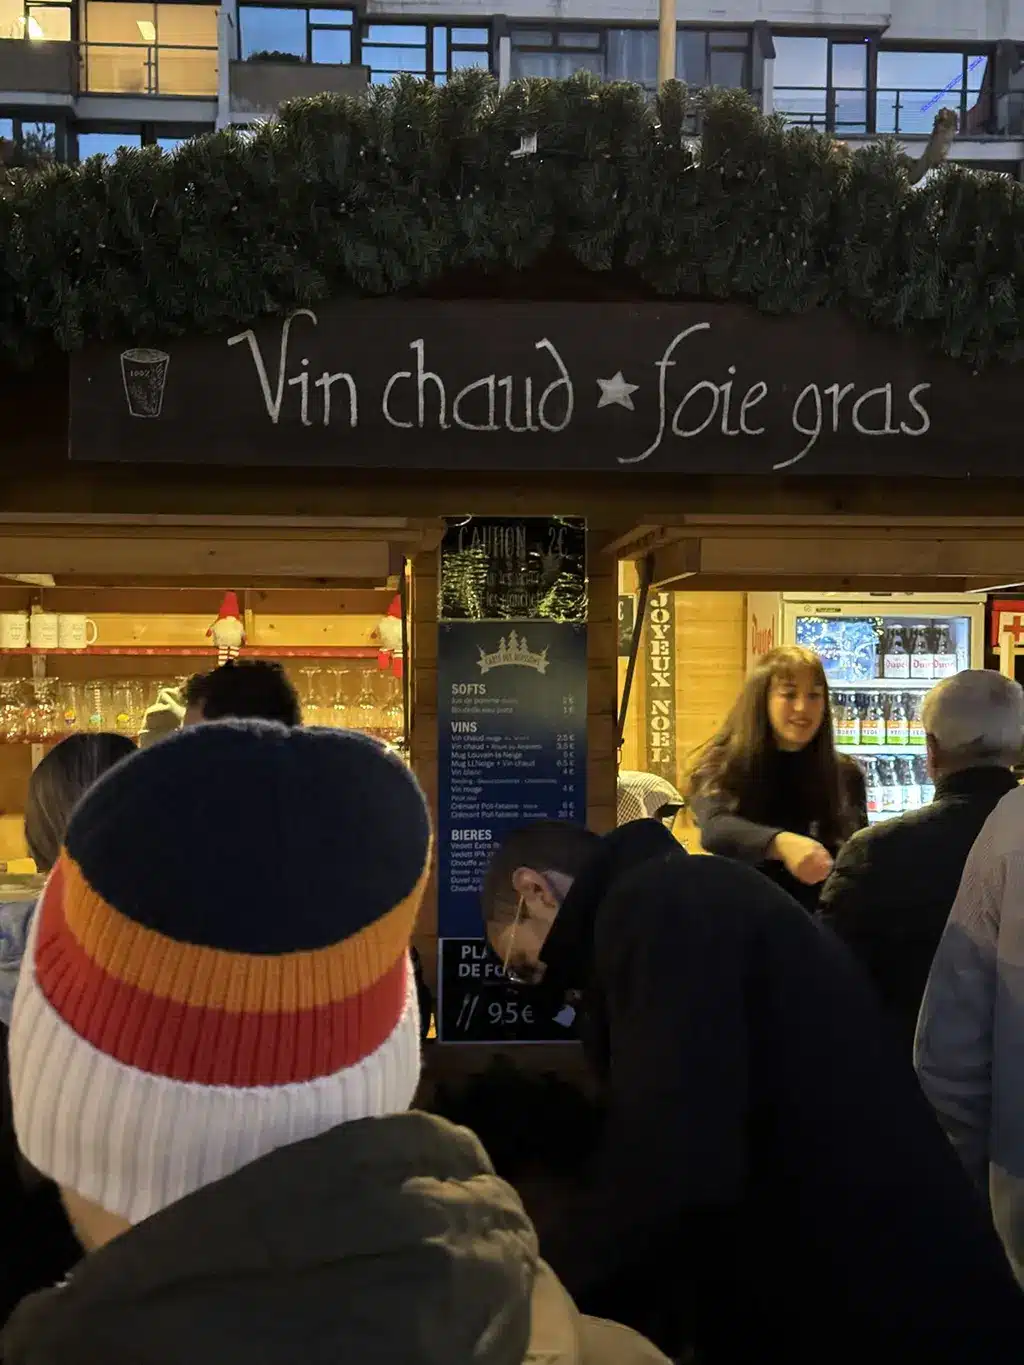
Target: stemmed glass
{"type": "Point", "coordinates": [341, 682]}
{"type": "Point", "coordinates": [311, 707]}
{"type": "Point", "coordinates": [393, 714]}
{"type": "Point", "coordinates": [367, 716]}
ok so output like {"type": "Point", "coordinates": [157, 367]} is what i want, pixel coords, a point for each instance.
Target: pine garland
{"type": "Point", "coordinates": [341, 197]}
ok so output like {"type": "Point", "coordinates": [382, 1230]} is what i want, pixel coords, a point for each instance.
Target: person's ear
{"type": "Point", "coordinates": [534, 889]}
{"type": "Point", "coordinates": [933, 757]}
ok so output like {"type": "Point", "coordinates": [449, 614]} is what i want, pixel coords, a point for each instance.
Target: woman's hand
{"type": "Point", "coordinates": [805, 859]}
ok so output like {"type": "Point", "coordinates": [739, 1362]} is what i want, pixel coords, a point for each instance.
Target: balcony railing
{"type": "Point", "coordinates": [148, 69]}
{"type": "Point", "coordinates": [904, 112]}
{"type": "Point", "coordinates": [912, 112]}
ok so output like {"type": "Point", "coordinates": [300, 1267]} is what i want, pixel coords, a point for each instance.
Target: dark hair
{"type": "Point", "coordinates": [245, 689]}
{"type": "Point", "coordinates": [736, 763]}
{"type": "Point", "coordinates": [63, 776]}
{"type": "Point", "coordinates": [546, 846]}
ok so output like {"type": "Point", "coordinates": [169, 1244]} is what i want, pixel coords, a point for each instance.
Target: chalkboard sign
{"type": "Point", "coordinates": [512, 713]}
{"type": "Point", "coordinates": [635, 388]}
{"type": "Point", "coordinates": [506, 568]}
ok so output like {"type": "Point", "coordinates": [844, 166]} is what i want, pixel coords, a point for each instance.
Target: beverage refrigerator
{"type": "Point", "coordinates": [881, 655]}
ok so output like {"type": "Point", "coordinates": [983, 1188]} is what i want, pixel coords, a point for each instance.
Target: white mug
{"type": "Point", "coordinates": [13, 630]}
{"type": "Point", "coordinates": [44, 629]}
{"type": "Point", "coordinates": [76, 632]}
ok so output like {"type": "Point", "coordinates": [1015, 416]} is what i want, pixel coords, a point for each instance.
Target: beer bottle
{"type": "Point", "coordinates": [872, 727]}
{"type": "Point", "coordinates": [922, 657]}
{"type": "Point", "coordinates": [872, 791]}
{"type": "Point", "coordinates": [892, 792]}
{"type": "Point", "coordinates": [944, 659]}
{"type": "Point", "coordinates": [896, 662]}
{"type": "Point", "coordinates": [896, 724]}
{"type": "Point", "coordinates": [915, 719]}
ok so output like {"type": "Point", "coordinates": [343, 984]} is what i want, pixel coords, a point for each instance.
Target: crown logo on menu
{"type": "Point", "coordinates": [513, 651]}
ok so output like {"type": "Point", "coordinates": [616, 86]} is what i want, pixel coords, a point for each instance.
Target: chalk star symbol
{"type": "Point", "coordinates": [617, 390]}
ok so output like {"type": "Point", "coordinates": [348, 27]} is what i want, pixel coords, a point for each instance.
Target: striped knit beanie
{"type": "Point", "coordinates": [219, 966]}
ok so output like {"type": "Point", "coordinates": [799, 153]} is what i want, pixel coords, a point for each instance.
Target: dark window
{"type": "Point", "coordinates": [914, 86]}
{"type": "Point", "coordinates": [305, 34]}
{"type": "Point", "coordinates": [107, 139]}
{"type": "Point", "coordinates": [823, 82]}
{"type": "Point", "coordinates": [431, 51]}
{"type": "Point", "coordinates": [332, 37]}
{"type": "Point", "coordinates": [28, 141]}
{"type": "Point", "coordinates": [107, 144]}
{"type": "Point", "coordinates": [703, 57]}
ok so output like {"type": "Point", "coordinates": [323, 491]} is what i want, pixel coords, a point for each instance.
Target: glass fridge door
{"type": "Point", "coordinates": [880, 669]}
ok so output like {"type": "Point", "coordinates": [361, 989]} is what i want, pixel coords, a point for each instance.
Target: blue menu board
{"type": "Point", "coordinates": [512, 713]}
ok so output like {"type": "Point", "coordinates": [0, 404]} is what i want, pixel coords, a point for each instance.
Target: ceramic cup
{"type": "Point", "coordinates": [13, 630]}
{"type": "Point", "coordinates": [76, 632]}
{"type": "Point", "coordinates": [44, 630]}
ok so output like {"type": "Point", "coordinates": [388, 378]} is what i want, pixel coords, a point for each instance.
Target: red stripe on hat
{"type": "Point", "coordinates": [209, 1046]}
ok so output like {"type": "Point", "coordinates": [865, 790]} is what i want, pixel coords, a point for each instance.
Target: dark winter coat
{"type": "Point", "coordinates": [746, 835]}
{"type": "Point", "coordinates": [893, 886]}
{"type": "Point", "coordinates": [383, 1242]}
{"type": "Point", "coordinates": [772, 1183]}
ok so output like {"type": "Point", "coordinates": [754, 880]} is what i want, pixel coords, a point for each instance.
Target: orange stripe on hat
{"type": "Point", "coordinates": [196, 976]}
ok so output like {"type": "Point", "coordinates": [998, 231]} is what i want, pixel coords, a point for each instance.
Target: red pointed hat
{"type": "Point", "coordinates": [229, 607]}
{"type": "Point", "coordinates": [396, 606]}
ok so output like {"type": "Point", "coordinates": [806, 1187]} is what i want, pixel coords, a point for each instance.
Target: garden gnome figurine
{"type": "Point", "coordinates": [389, 633]}
{"type": "Point", "coordinates": [227, 631]}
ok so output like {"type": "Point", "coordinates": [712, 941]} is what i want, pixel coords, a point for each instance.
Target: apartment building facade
{"type": "Point", "coordinates": [84, 77]}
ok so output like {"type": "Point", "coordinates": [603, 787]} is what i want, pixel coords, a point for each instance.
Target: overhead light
{"type": "Point", "coordinates": [35, 29]}
{"type": "Point", "coordinates": [147, 29]}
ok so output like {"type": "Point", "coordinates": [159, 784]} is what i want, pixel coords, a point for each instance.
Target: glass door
{"type": "Point", "coordinates": [880, 668]}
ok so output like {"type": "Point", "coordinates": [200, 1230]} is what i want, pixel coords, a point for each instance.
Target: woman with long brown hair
{"type": "Point", "coordinates": [37, 1247]}
{"type": "Point", "coordinates": [769, 788]}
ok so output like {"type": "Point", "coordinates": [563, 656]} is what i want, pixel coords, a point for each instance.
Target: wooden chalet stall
{"type": "Point", "coordinates": [319, 459]}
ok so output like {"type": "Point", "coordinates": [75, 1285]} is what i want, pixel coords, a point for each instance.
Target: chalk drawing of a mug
{"type": "Point", "coordinates": [144, 374]}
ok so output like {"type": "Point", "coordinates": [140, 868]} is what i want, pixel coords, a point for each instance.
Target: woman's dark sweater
{"type": "Point", "coordinates": [784, 805]}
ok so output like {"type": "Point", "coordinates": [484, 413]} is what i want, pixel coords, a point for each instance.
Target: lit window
{"type": "Point", "coordinates": [155, 49]}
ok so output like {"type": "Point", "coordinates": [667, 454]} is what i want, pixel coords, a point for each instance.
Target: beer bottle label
{"type": "Point", "coordinates": [897, 731]}
{"type": "Point", "coordinates": [897, 665]}
{"type": "Point", "coordinates": [872, 731]}
{"type": "Point", "coordinates": [922, 667]}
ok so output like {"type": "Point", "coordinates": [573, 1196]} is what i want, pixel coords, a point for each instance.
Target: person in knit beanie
{"type": "Point", "coordinates": [213, 1052]}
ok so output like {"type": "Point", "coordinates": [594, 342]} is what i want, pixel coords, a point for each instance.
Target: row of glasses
{"type": "Point", "coordinates": [42, 710]}
{"type": "Point", "coordinates": [369, 700]}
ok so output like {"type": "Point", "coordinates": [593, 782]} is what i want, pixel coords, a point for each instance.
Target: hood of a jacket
{"type": "Point", "coordinates": [569, 948]}
{"type": "Point", "coordinates": [15, 918]}
{"type": "Point", "coordinates": [383, 1242]}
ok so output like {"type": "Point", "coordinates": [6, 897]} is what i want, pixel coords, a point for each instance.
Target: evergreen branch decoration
{"type": "Point", "coordinates": [353, 197]}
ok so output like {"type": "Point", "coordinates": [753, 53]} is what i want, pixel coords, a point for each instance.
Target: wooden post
{"type": "Point", "coordinates": [666, 41]}
{"type": "Point", "coordinates": [1008, 653]}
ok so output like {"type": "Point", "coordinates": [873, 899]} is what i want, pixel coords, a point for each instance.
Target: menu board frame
{"type": "Point", "coordinates": [512, 746]}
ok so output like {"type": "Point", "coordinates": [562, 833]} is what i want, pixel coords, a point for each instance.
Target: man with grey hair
{"type": "Point", "coordinates": [969, 1050]}
{"type": "Point", "coordinates": [893, 885]}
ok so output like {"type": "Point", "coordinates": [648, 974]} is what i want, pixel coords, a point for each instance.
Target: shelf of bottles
{"type": "Point", "coordinates": [880, 669]}
{"type": "Point", "coordinates": [44, 710]}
